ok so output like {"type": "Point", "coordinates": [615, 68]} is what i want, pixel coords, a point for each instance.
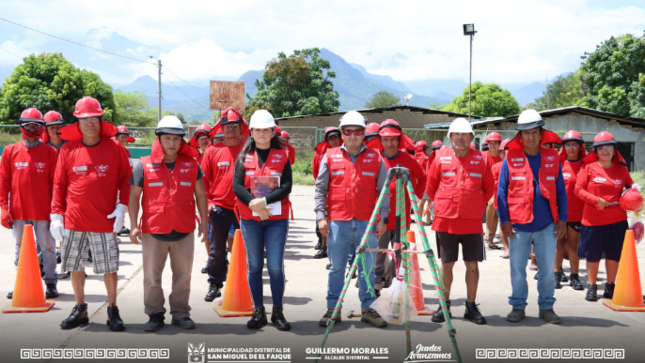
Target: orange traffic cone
{"type": "Point", "coordinates": [628, 295]}
{"type": "Point", "coordinates": [237, 295]}
{"type": "Point", "coordinates": [28, 292]}
{"type": "Point", "coordinates": [416, 292]}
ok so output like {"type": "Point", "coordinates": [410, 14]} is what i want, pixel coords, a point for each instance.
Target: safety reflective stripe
{"type": "Point", "coordinates": [518, 178]}
{"type": "Point", "coordinates": [476, 175]}
{"type": "Point", "coordinates": [550, 178]}
{"type": "Point", "coordinates": [368, 173]}
{"type": "Point", "coordinates": [517, 159]}
{"type": "Point", "coordinates": [186, 184]}
{"type": "Point", "coordinates": [249, 173]}
{"type": "Point", "coordinates": [338, 173]}
{"type": "Point", "coordinates": [276, 173]}
{"type": "Point", "coordinates": [448, 174]}
{"type": "Point", "coordinates": [566, 175]}
{"type": "Point", "coordinates": [223, 163]}
{"type": "Point", "coordinates": [160, 184]}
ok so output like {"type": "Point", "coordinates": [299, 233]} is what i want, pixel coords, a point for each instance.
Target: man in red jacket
{"type": "Point", "coordinates": [460, 182]}
{"type": "Point", "coordinates": [171, 183]}
{"type": "Point", "coordinates": [284, 137]}
{"type": "Point", "coordinates": [493, 140]}
{"type": "Point", "coordinates": [92, 169]}
{"type": "Point", "coordinates": [218, 164]}
{"type": "Point", "coordinates": [27, 173]}
{"type": "Point", "coordinates": [394, 144]}
{"type": "Point", "coordinates": [201, 140]}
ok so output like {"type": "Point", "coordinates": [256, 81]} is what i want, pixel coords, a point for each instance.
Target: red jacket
{"type": "Point", "coordinates": [86, 184]}
{"type": "Point", "coordinates": [422, 159]}
{"type": "Point", "coordinates": [576, 205]}
{"type": "Point", "coordinates": [520, 186]}
{"type": "Point", "coordinates": [460, 188]}
{"type": "Point", "coordinates": [273, 166]}
{"type": "Point", "coordinates": [496, 170]}
{"type": "Point", "coordinates": [352, 186]}
{"type": "Point", "coordinates": [29, 176]}
{"type": "Point", "coordinates": [218, 164]}
{"type": "Point", "coordinates": [315, 164]}
{"type": "Point", "coordinates": [168, 200]}
{"type": "Point", "coordinates": [418, 179]}
{"type": "Point", "coordinates": [492, 160]}
{"type": "Point", "coordinates": [595, 182]}
{"type": "Point", "coordinates": [292, 153]}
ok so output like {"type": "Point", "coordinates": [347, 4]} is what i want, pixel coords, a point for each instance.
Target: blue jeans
{"type": "Point", "coordinates": [520, 249]}
{"type": "Point", "coordinates": [343, 235]}
{"type": "Point", "coordinates": [271, 234]}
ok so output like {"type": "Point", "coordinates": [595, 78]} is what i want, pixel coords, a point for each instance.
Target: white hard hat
{"type": "Point", "coordinates": [170, 124]}
{"type": "Point", "coordinates": [529, 119]}
{"type": "Point", "coordinates": [262, 119]}
{"type": "Point", "coordinates": [460, 125]}
{"type": "Point", "coordinates": [352, 118]}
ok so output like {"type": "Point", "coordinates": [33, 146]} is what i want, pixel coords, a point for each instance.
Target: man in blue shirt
{"type": "Point", "coordinates": [532, 204]}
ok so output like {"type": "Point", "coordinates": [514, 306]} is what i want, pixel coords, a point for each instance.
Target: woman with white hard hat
{"type": "Point", "coordinates": [263, 202]}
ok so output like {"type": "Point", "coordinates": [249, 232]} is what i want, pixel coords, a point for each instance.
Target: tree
{"type": "Point", "coordinates": [614, 76]}
{"type": "Point", "coordinates": [487, 100]}
{"type": "Point", "coordinates": [132, 109]}
{"type": "Point", "coordinates": [180, 116]}
{"type": "Point", "coordinates": [299, 84]}
{"type": "Point", "coordinates": [48, 81]}
{"type": "Point", "coordinates": [563, 92]}
{"type": "Point", "coordinates": [383, 99]}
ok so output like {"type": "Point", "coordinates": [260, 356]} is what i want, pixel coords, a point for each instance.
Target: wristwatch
{"type": "Point", "coordinates": [386, 220]}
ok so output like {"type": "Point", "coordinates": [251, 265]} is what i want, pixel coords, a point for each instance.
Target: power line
{"type": "Point", "coordinates": [17, 56]}
{"type": "Point", "coordinates": [79, 44]}
{"type": "Point", "coordinates": [179, 89]}
{"type": "Point", "coordinates": [202, 91]}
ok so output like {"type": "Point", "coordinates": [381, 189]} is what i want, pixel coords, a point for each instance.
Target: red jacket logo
{"type": "Point", "coordinates": [101, 170]}
{"type": "Point", "coordinates": [474, 162]}
{"type": "Point", "coordinates": [478, 157]}
{"type": "Point", "coordinates": [184, 170]}
{"type": "Point", "coordinates": [550, 158]}
{"type": "Point", "coordinates": [279, 156]}
{"type": "Point", "coordinates": [370, 155]}
{"type": "Point", "coordinates": [187, 163]}
{"type": "Point", "coordinates": [22, 165]}
{"type": "Point", "coordinates": [618, 183]}
{"type": "Point", "coordinates": [40, 167]}
{"type": "Point", "coordinates": [549, 165]}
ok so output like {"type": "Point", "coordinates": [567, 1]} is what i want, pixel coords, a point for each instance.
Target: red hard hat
{"type": "Point", "coordinates": [31, 115]}
{"type": "Point", "coordinates": [437, 144]}
{"type": "Point", "coordinates": [372, 129]}
{"type": "Point", "coordinates": [573, 135]}
{"type": "Point", "coordinates": [331, 131]}
{"type": "Point", "coordinates": [88, 107]}
{"type": "Point", "coordinates": [505, 142]}
{"type": "Point", "coordinates": [422, 145]}
{"type": "Point", "coordinates": [493, 136]}
{"type": "Point", "coordinates": [390, 128]}
{"type": "Point", "coordinates": [203, 128]}
{"type": "Point", "coordinates": [604, 138]}
{"type": "Point", "coordinates": [53, 118]}
{"type": "Point", "coordinates": [284, 135]}
{"type": "Point", "coordinates": [123, 130]}
{"type": "Point", "coordinates": [230, 115]}
{"type": "Point", "coordinates": [277, 130]}
{"type": "Point", "coordinates": [631, 200]}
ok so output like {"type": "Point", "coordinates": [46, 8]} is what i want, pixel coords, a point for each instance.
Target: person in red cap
{"type": "Point", "coordinates": [392, 143]}
{"type": "Point", "coordinates": [600, 183]}
{"type": "Point", "coordinates": [92, 170]}
{"type": "Point", "coordinates": [53, 121]}
{"type": "Point", "coordinates": [493, 141]}
{"type": "Point", "coordinates": [284, 137]}
{"type": "Point", "coordinates": [426, 204]}
{"type": "Point", "coordinates": [124, 137]}
{"type": "Point", "coordinates": [218, 164]}
{"type": "Point", "coordinates": [201, 140]}
{"type": "Point", "coordinates": [496, 169]}
{"type": "Point", "coordinates": [571, 155]}
{"type": "Point", "coordinates": [26, 179]}
{"type": "Point", "coordinates": [171, 183]}
{"type": "Point", "coordinates": [371, 132]}
{"type": "Point", "coordinates": [460, 182]}
{"type": "Point", "coordinates": [217, 139]}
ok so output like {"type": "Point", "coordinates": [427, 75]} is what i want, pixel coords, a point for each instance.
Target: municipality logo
{"type": "Point", "coordinates": [196, 353]}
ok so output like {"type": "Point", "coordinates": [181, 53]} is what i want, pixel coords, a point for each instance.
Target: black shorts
{"type": "Point", "coordinates": [605, 241]}
{"type": "Point", "coordinates": [576, 226]}
{"type": "Point", "coordinates": [472, 247]}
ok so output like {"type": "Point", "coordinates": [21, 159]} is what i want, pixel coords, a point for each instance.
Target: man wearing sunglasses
{"type": "Point", "coordinates": [349, 181]}
{"type": "Point", "coordinates": [27, 173]}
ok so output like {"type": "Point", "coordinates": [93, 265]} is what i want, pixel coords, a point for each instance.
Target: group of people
{"type": "Point", "coordinates": [237, 175]}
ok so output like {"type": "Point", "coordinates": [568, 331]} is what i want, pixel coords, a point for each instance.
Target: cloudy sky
{"type": "Point", "coordinates": [517, 41]}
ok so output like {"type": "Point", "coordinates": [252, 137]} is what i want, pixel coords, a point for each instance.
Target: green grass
{"type": "Point", "coordinates": [302, 178]}
{"type": "Point", "coordinates": [639, 177]}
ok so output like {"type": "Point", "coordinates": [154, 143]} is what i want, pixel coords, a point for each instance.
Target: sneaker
{"type": "Point", "coordinates": [10, 295]}
{"type": "Point", "coordinates": [563, 276]}
{"type": "Point", "coordinates": [277, 318]}
{"type": "Point", "coordinates": [258, 320]}
{"type": "Point", "coordinates": [537, 273]}
{"type": "Point", "coordinates": [550, 316]}
{"type": "Point", "coordinates": [609, 291]}
{"type": "Point", "coordinates": [204, 270]}
{"type": "Point", "coordinates": [322, 253]}
{"type": "Point", "coordinates": [438, 317]}
{"type": "Point", "coordinates": [372, 317]}
{"type": "Point", "coordinates": [592, 293]}
{"type": "Point", "coordinates": [328, 266]}
{"type": "Point", "coordinates": [76, 318]}
{"type": "Point", "coordinates": [114, 319]}
{"type": "Point", "coordinates": [155, 323]}
{"type": "Point", "coordinates": [213, 292]}
{"type": "Point", "coordinates": [574, 281]}
{"type": "Point", "coordinates": [324, 321]}
{"type": "Point", "coordinates": [184, 323]}
{"type": "Point", "coordinates": [51, 291]}
{"type": "Point", "coordinates": [123, 230]}
{"type": "Point", "coordinates": [516, 315]}
{"type": "Point", "coordinates": [472, 313]}
{"type": "Point", "coordinates": [558, 283]}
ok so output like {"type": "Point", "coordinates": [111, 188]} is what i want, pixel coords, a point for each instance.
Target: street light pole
{"type": "Point", "coordinates": [469, 30]}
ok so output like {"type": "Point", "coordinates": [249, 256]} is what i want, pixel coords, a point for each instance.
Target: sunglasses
{"type": "Point", "coordinates": [357, 132]}
{"type": "Point", "coordinates": [85, 121]}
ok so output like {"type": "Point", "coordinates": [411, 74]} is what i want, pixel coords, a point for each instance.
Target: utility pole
{"type": "Point", "coordinates": [159, 65]}
{"type": "Point", "coordinates": [546, 90]}
{"type": "Point", "coordinates": [469, 30]}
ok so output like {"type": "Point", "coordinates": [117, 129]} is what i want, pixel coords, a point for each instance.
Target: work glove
{"type": "Point", "coordinates": [119, 216]}
{"type": "Point", "coordinates": [57, 227]}
{"type": "Point", "coordinates": [637, 186]}
{"type": "Point", "coordinates": [7, 219]}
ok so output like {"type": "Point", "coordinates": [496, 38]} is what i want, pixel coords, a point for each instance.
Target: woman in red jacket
{"type": "Point", "coordinates": [600, 184]}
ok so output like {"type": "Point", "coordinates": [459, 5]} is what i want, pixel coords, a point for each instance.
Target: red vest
{"type": "Point", "coordinates": [520, 186]}
{"type": "Point", "coordinates": [460, 193]}
{"type": "Point", "coordinates": [576, 205]}
{"type": "Point", "coordinates": [168, 198]}
{"type": "Point", "coordinates": [352, 186]}
{"type": "Point", "coordinates": [273, 166]}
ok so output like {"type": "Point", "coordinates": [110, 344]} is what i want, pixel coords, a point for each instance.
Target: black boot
{"type": "Point", "coordinates": [318, 245]}
{"type": "Point", "coordinates": [609, 291]}
{"type": "Point", "coordinates": [76, 318]}
{"type": "Point", "coordinates": [558, 283]}
{"type": "Point", "coordinates": [277, 318]}
{"type": "Point", "coordinates": [472, 313]}
{"type": "Point", "coordinates": [574, 282]}
{"type": "Point", "coordinates": [155, 323]}
{"type": "Point", "coordinates": [258, 320]}
{"type": "Point", "coordinates": [322, 253]}
{"type": "Point", "coordinates": [438, 317]}
{"type": "Point", "coordinates": [51, 291]}
{"type": "Point", "coordinates": [592, 293]}
{"type": "Point", "coordinates": [563, 276]}
{"type": "Point", "coordinates": [114, 320]}
{"type": "Point", "coordinates": [213, 292]}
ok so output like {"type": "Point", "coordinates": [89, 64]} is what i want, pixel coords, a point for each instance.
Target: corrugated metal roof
{"type": "Point", "coordinates": [380, 110]}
